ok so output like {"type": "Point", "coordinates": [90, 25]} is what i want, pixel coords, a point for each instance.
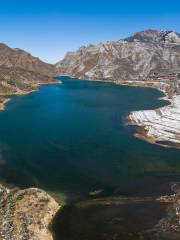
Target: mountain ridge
{"type": "Point", "coordinates": [148, 58]}
{"type": "Point", "coordinates": [21, 73]}
{"type": "Point", "coordinates": [16, 57]}
{"type": "Point", "coordinates": [135, 57]}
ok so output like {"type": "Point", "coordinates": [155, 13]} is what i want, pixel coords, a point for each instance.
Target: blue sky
{"type": "Point", "coordinates": [48, 29]}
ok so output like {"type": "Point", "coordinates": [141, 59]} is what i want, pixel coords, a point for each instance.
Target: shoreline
{"type": "Point", "coordinates": [160, 126]}
{"type": "Point", "coordinates": [7, 97]}
{"type": "Point", "coordinates": [149, 123]}
{"type": "Point", "coordinates": [147, 128]}
{"type": "Point", "coordinates": [3, 103]}
{"type": "Point", "coordinates": [50, 218]}
{"type": "Point", "coordinates": [155, 126]}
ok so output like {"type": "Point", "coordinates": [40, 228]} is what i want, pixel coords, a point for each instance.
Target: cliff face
{"type": "Point", "coordinates": [17, 58]}
{"type": "Point", "coordinates": [136, 57]}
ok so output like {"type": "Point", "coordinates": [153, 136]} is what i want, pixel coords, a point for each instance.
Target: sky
{"type": "Point", "coordinates": [48, 29]}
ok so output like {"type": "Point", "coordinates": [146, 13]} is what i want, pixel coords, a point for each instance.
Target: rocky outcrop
{"type": "Point", "coordinates": [26, 214]}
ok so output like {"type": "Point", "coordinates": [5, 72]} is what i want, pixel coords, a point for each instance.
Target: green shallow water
{"type": "Point", "coordinates": [71, 139]}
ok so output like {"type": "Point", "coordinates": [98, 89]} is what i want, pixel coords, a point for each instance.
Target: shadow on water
{"type": "Point", "coordinates": [108, 220]}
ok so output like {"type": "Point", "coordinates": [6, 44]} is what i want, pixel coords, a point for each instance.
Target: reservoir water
{"type": "Point", "coordinates": [72, 140]}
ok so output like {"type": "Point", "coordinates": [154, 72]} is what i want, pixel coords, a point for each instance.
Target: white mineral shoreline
{"type": "Point", "coordinates": [160, 126]}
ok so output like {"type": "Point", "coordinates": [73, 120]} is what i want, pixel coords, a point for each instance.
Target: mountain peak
{"type": "Point", "coordinates": [170, 37]}
{"type": "Point", "coordinates": [155, 36]}
{"type": "Point", "coordinates": [149, 35]}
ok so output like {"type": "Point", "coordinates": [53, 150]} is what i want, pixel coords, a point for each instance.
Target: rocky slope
{"type": "Point", "coordinates": [26, 214]}
{"type": "Point", "coordinates": [136, 57]}
{"type": "Point", "coordinates": [17, 58]}
{"type": "Point", "coordinates": [17, 81]}
{"type": "Point", "coordinates": [150, 58]}
{"type": "Point", "coordinates": [21, 73]}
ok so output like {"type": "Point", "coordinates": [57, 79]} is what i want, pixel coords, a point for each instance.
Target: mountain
{"type": "Point", "coordinates": [148, 58]}
{"type": "Point", "coordinates": [15, 57]}
{"type": "Point", "coordinates": [21, 73]}
{"type": "Point", "coordinates": [19, 80]}
{"type": "Point", "coordinates": [133, 58]}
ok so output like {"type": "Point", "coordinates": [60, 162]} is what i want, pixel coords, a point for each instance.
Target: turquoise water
{"type": "Point", "coordinates": [71, 139]}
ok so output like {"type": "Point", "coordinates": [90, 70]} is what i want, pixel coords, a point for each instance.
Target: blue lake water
{"type": "Point", "coordinates": [72, 139]}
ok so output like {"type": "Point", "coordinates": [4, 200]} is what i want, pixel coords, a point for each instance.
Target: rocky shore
{"type": "Point", "coordinates": [21, 73]}
{"type": "Point", "coordinates": [26, 214]}
{"type": "Point", "coordinates": [17, 81]}
{"type": "Point", "coordinates": [160, 126]}
{"type": "Point", "coordinates": [3, 102]}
